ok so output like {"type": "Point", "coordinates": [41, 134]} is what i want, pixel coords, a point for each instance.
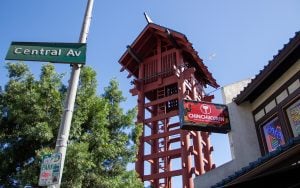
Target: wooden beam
{"type": "Point", "coordinates": [125, 66]}
{"type": "Point", "coordinates": [186, 74]}
{"type": "Point", "coordinates": [174, 125]}
{"type": "Point", "coordinates": [195, 171]}
{"type": "Point", "coordinates": [162, 175]}
{"type": "Point", "coordinates": [149, 109]}
{"type": "Point", "coordinates": [162, 116]}
{"type": "Point", "coordinates": [129, 75]}
{"type": "Point", "coordinates": [172, 39]}
{"type": "Point", "coordinates": [162, 154]}
{"type": "Point", "coordinates": [166, 81]}
{"type": "Point", "coordinates": [162, 135]}
{"type": "Point", "coordinates": [133, 54]}
{"type": "Point", "coordinates": [133, 91]}
{"type": "Point", "coordinates": [174, 140]}
{"type": "Point", "coordinates": [193, 133]}
{"type": "Point", "coordinates": [192, 150]}
{"type": "Point", "coordinates": [162, 100]}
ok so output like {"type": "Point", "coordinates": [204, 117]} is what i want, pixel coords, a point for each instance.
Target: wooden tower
{"type": "Point", "coordinates": [166, 69]}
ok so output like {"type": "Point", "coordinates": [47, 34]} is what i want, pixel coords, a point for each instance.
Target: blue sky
{"type": "Point", "coordinates": [235, 38]}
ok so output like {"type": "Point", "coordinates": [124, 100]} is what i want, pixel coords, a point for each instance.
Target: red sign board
{"type": "Point", "coordinates": [204, 116]}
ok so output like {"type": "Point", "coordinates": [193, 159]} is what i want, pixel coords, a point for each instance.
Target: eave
{"type": "Point", "coordinates": [271, 72]}
{"type": "Point", "coordinates": [138, 50]}
{"type": "Point", "coordinates": [267, 165]}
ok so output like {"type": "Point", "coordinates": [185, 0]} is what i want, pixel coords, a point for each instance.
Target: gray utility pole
{"type": "Point", "coordinates": [64, 129]}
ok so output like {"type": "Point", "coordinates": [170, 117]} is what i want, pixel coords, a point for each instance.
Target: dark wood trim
{"type": "Point", "coordinates": [172, 39]}
{"type": "Point", "coordinates": [133, 54]}
{"type": "Point", "coordinates": [295, 97]}
{"type": "Point", "coordinates": [280, 112]}
{"type": "Point", "coordinates": [261, 136]}
{"type": "Point", "coordinates": [277, 92]}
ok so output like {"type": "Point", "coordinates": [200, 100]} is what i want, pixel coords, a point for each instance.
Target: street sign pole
{"type": "Point", "coordinates": [64, 129]}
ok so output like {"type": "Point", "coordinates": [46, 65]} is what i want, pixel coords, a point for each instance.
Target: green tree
{"type": "Point", "coordinates": [102, 139]}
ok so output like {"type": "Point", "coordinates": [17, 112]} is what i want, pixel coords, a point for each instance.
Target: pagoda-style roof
{"type": "Point", "coordinates": [143, 46]}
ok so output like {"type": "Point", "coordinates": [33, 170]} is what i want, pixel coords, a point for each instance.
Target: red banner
{"type": "Point", "coordinates": [204, 116]}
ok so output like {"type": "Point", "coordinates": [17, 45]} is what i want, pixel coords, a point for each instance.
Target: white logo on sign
{"type": "Point", "coordinates": [205, 109]}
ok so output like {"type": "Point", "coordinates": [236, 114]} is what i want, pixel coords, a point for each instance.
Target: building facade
{"type": "Point", "coordinates": [265, 122]}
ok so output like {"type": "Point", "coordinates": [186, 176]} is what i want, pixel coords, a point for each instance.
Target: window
{"type": "Point", "coordinates": [293, 113]}
{"type": "Point", "coordinates": [273, 134]}
{"type": "Point", "coordinates": [277, 119]}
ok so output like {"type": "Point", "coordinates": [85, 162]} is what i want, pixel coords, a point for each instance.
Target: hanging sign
{"type": "Point", "coordinates": [50, 169]}
{"type": "Point", "coordinates": [204, 116]}
{"type": "Point", "coordinates": [73, 53]}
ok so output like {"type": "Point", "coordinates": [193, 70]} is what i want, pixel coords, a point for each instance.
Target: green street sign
{"type": "Point", "coordinates": [73, 53]}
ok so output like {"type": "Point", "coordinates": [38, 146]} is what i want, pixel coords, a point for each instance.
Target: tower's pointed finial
{"type": "Point", "coordinates": [148, 18]}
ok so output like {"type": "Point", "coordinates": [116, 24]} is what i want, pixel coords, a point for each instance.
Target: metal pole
{"type": "Point", "coordinates": [64, 129]}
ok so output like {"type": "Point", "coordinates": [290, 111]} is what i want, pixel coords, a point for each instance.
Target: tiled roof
{"type": "Point", "coordinates": [265, 75]}
{"type": "Point", "coordinates": [252, 165]}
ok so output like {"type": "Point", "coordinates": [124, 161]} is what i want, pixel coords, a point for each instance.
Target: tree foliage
{"type": "Point", "coordinates": [102, 139]}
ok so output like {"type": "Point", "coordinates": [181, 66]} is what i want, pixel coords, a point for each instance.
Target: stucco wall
{"type": "Point", "coordinates": [242, 137]}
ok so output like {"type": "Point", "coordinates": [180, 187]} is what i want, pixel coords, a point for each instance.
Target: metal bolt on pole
{"type": "Point", "coordinates": [64, 129]}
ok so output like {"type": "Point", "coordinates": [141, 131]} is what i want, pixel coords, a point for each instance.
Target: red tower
{"type": "Point", "coordinates": [166, 70]}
